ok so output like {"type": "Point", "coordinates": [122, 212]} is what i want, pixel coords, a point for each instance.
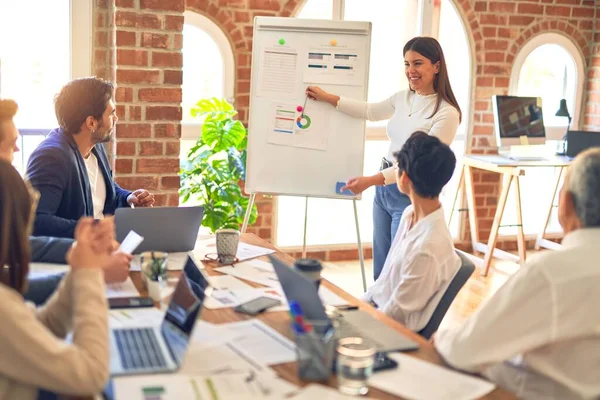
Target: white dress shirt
{"type": "Point", "coordinates": [97, 185]}
{"type": "Point", "coordinates": [539, 335]}
{"type": "Point", "coordinates": [417, 271]}
{"type": "Point", "coordinates": [407, 112]}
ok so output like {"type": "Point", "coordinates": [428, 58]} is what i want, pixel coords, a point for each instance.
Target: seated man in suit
{"type": "Point", "coordinates": [48, 249]}
{"type": "Point", "coordinates": [421, 261]}
{"type": "Point", "coordinates": [70, 167]}
{"type": "Point", "coordinates": [539, 335]}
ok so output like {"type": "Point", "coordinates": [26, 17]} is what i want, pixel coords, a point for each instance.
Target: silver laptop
{"type": "Point", "coordinates": [352, 323]}
{"type": "Point", "coordinates": [154, 349]}
{"type": "Point", "coordinates": [170, 229]}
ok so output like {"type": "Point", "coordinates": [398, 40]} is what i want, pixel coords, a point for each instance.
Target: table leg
{"type": "Point", "coordinates": [506, 182]}
{"type": "Point", "coordinates": [521, 244]}
{"type": "Point", "coordinates": [461, 180]}
{"type": "Point", "coordinates": [469, 192]}
{"type": "Point", "coordinates": [542, 232]}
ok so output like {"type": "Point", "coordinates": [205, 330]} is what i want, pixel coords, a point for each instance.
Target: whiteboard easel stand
{"type": "Point", "coordinates": [358, 241]}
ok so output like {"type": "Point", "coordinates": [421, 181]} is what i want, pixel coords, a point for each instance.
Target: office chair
{"type": "Point", "coordinates": [466, 269]}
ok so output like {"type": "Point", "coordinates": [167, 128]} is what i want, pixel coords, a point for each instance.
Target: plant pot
{"type": "Point", "coordinates": [155, 289]}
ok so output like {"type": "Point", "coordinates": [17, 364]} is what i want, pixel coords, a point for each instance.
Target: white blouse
{"type": "Point", "coordinates": [407, 112]}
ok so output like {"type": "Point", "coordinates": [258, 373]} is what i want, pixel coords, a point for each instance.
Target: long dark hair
{"type": "Point", "coordinates": [431, 49]}
{"type": "Point", "coordinates": [15, 221]}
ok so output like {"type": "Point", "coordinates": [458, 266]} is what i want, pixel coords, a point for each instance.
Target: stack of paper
{"type": "Point", "coordinates": [251, 273]}
{"type": "Point", "coordinates": [123, 289]}
{"type": "Point", "coordinates": [413, 377]}
{"type": "Point", "coordinates": [314, 391]}
{"type": "Point", "coordinates": [244, 252]}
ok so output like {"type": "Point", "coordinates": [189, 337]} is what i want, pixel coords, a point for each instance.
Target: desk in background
{"type": "Point", "coordinates": [511, 171]}
{"type": "Point", "coordinates": [280, 321]}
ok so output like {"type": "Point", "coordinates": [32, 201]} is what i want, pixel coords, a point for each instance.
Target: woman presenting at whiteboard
{"type": "Point", "coordinates": [429, 105]}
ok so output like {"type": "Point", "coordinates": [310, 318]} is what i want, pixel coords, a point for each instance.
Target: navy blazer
{"type": "Point", "coordinates": [57, 170]}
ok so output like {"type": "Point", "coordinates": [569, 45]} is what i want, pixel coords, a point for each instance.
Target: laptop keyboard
{"type": "Point", "coordinates": [139, 349]}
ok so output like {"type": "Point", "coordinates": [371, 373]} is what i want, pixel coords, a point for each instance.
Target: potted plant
{"type": "Point", "coordinates": [154, 268]}
{"type": "Point", "coordinates": [216, 167]}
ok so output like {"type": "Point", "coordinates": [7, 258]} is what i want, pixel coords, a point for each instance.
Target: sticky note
{"type": "Point", "coordinates": [338, 189]}
{"type": "Point", "coordinates": [282, 41]}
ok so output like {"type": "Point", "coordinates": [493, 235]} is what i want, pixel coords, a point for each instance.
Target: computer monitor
{"type": "Point", "coordinates": [516, 116]}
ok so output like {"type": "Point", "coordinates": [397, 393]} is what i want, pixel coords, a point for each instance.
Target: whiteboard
{"type": "Point", "coordinates": [305, 153]}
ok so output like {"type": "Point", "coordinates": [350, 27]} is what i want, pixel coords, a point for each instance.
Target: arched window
{"type": "Point", "coordinates": [208, 71]}
{"type": "Point", "coordinates": [332, 221]}
{"type": "Point", "coordinates": [33, 77]}
{"type": "Point", "coordinates": [551, 67]}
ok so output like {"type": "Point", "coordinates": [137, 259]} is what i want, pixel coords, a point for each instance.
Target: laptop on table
{"type": "Point", "coordinates": [352, 323]}
{"type": "Point", "coordinates": [170, 229]}
{"type": "Point", "coordinates": [159, 349]}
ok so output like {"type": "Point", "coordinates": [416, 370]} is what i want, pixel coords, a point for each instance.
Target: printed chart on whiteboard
{"type": "Point", "coordinates": [335, 66]}
{"type": "Point", "coordinates": [298, 125]}
{"type": "Point", "coordinates": [279, 68]}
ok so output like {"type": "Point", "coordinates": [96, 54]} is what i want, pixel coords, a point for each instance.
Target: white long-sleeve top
{"type": "Point", "coordinates": [407, 112]}
{"type": "Point", "coordinates": [539, 335]}
{"type": "Point", "coordinates": [33, 353]}
{"type": "Point", "coordinates": [417, 271]}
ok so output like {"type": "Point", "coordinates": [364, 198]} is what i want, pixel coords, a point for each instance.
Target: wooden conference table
{"type": "Point", "coordinates": [280, 321]}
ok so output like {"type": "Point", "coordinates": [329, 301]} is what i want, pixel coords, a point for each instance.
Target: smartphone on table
{"type": "Point", "coordinates": [256, 306]}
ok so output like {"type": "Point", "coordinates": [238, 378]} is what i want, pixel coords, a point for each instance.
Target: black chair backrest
{"type": "Point", "coordinates": [462, 276]}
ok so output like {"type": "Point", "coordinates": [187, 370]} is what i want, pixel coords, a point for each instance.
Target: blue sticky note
{"type": "Point", "coordinates": [338, 189]}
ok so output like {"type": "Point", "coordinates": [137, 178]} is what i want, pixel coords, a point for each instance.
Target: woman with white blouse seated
{"type": "Point", "coordinates": [33, 353]}
{"type": "Point", "coordinates": [428, 105]}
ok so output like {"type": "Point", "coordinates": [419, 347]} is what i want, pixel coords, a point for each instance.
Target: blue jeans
{"type": "Point", "coordinates": [388, 207]}
{"type": "Point", "coordinates": [39, 289]}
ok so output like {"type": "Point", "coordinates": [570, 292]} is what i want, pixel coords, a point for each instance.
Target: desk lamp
{"type": "Point", "coordinates": [563, 111]}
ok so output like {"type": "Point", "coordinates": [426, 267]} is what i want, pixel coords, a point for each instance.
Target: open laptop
{"type": "Point", "coordinates": [352, 323]}
{"type": "Point", "coordinates": [578, 141]}
{"type": "Point", "coordinates": [170, 229]}
{"type": "Point", "coordinates": [156, 349]}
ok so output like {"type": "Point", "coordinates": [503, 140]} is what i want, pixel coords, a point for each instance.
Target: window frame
{"type": "Point", "coordinates": [189, 130]}
{"type": "Point", "coordinates": [577, 57]}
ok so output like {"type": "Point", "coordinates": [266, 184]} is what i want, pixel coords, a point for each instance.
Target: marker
{"type": "Point", "coordinates": [282, 41]}
{"type": "Point", "coordinates": [303, 107]}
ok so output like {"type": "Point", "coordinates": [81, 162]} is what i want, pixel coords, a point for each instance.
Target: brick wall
{"type": "Point", "coordinates": [138, 45]}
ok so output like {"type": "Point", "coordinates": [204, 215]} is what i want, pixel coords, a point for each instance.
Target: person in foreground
{"type": "Point", "coordinates": [48, 249]}
{"type": "Point", "coordinates": [34, 355]}
{"type": "Point", "coordinates": [429, 105]}
{"type": "Point", "coordinates": [422, 261]}
{"type": "Point", "coordinates": [70, 167]}
{"type": "Point", "coordinates": [539, 335]}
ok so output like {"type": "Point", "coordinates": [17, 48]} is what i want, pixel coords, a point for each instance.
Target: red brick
{"type": "Point", "coordinates": [135, 113]}
{"type": "Point", "coordinates": [157, 165]}
{"type": "Point", "coordinates": [243, 87]}
{"type": "Point", "coordinates": [163, 113]}
{"type": "Point", "coordinates": [101, 39]}
{"type": "Point", "coordinates": [485, 81]}
{"type": "Point", "coordinates": [520, 20]}
{"type": "Point", "coordinates": [172, 148]}
{"type": "Point", "coordinates": [125, 38]}
{"type": "Point", "coordinates": [167, 59]}
{"type": "Point", "coordinates": [177, 42]}
{"type": "Point", "coordinates": [232, 3]}
{"type": "Point", "coordinates": [124, 166]}
{"type": "Point", "coordinates": [581, 12]}
{"type": "Point", "coordinates": [148, 21]}
{"type": "Point", "coordinates": [265, 208]}
{"type": "Point", "coordinates": [100, 57]}
{"type": "Point", "coordinates": [496, 44]}
{"type": "Point", "coordinates": [174, 77]}
{"type": "Point", "coordinates": [156, 40]}
{"type": "Point", "coordinates": [135, 76]}
{"type": "Point", "coordinates": [160, 199]}
{"type": "Point", "coordinates": [163, 5]}
{"type": "Point", "coordinates": [138, 58]}
{"type": "Point", "coordinates": [494, 56]}
{"type": "Point", "coordinates": [170, 182]}
{"type": "Point", "coordinates": [121, 111]}
{"type": "Point", "coordinates": [167, 131]}
{"type": "Point", "coordinates": [495, 70]}
{"type": "Point", "coordinates": [151, 149]}
{"type": "Point", "coordinates": [483, 130]}
{"type": "Point", "coordinates": [160, 95]}
{"type": "Point", "coordinates": [100, 19]}
{"type": "Point", "coordinates": [493, 19]}
{"type": "Point", "coordinates": [528, 8]}
{"type": "Point", "coordinates": [502, 6]}
{"type": "Point", "coordinates": [174, 22]}
{"type": "Point", "coordinates": [502, 82]}
{"type": "Point", "coordinates": [487, 118]}
{"type": "Point", "coordinates": [173, 200]}
{"type": "Point", "coordinates": [125, 148]}
{"type": "Point", "coordinates": [571, 2]}
{"type": "Point", "coordinates": [490, 31]}
{"type": "Point", "coordinates": [124, 95]}
{"type": "Point", "coordinates": [241, 16]}
{"type": "Point", "coordinates": [243, 73]}
{"type": "Point", "coordinates": [133, 131]}
{"type": "Point", "coordinates": [124, 3]}
{"type": "Point", "coordinates": [557, 11]}
{"type": "Point", "coordinates": [125, 19]}
{"type": "Point", "coordinates": [265, 5]}
{"type": "Point", "coordinates": [138, 182]}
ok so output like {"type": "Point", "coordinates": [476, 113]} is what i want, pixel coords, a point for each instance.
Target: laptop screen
{"type": "Point", "coordinates": [184, 308]}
